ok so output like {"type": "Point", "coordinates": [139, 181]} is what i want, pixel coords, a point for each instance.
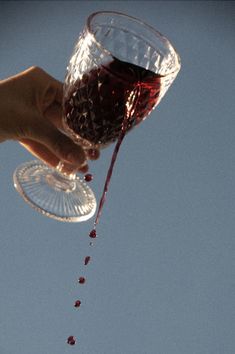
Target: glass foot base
{"type": "Point", "coordinates": [53, 194]}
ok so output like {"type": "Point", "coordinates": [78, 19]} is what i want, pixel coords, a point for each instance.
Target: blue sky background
{"type": "Point", "coordinates": [161, 280]}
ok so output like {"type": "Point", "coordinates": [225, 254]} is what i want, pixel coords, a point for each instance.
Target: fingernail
{"type": "Point", "coordinates": [77, 158]}
{"type": "Point", "coordinates": [84, 169]}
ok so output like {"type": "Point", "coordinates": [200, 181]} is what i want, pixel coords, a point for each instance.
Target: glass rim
{"type": "Point", "coordinates": [151, 29]}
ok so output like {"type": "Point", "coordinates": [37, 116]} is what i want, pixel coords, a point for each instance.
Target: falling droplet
{"type": "Point", "coordinates": [71, 340]}
{"type": "Point", "coordinates": [92, 234]}
{"type": "Point", "coordinates": [88, 177]}
{"type": "Point", "coordinates": [77, 303]}
{"type": "Point", "coordinates": [87, 260]}
{"type": "Point", "coordinates": [81, 280]}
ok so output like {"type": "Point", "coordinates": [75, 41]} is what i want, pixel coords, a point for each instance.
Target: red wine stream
{"type": "Point", "coordinates": [110, 170]}
{"type": "Point", "coordinates": [107, 102]}
{"type": "Point", "coordinates": [102, 107]}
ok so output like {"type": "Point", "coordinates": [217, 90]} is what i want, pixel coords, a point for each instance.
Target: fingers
{"type": "Point", "coordinates": [43, 153]}
{"type": "Point", "coordinates": [53, 146]}
{"type": "Point", "coordinates": [59, 144]}
{"type": "Point", "coordinates": [39, 118]}
{"type": "Point", "coordinates": [49, 95]}
{"type": "Point", "coordinates": [40, 151]}
{"type": "Point", "coordinates": [53, 114]}
{"type": "Point", "coordinates": [44, 81]}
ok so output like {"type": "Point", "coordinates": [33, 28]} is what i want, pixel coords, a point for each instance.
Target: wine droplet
{"type": "Point", "coordinates": [81, 280]}
{"type": "Point", "coordinates": [77, 303]}
{"type": "Point", "coordinates": [88, 177]}
{"type": "Point", "coordinates": [71, 340]}
{"type": "Point", "coordinates": [87, 260]}
{"type": "Point", "coordinates": [92, 234]}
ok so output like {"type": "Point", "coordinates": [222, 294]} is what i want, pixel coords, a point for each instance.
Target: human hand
{"type": "Point", "coordinates": [31, 112]}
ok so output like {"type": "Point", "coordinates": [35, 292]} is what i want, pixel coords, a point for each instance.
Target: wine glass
{"type": "Point", "coordinates": [119, 71]}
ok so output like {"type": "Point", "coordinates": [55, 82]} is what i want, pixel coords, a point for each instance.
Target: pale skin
{"type": "Point", "coordinates": [31, 113]}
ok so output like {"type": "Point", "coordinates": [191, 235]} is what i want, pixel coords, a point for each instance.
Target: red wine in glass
{"type": "Point", "coordinates": [107, 102]}
{"type": "Point", "coordinates": [96, 105]}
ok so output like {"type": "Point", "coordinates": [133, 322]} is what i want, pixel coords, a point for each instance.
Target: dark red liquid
{"type": "Point", "coordinates": [87, 260]}
{"type": "Point", "coordinates": [71, 340]}
{"type": "Point", "coordinates": [77, 303]}
{"type": "Point", "coordinates": [93, 234]}
{"type": "Point", "coordinates": [95, 107]}
{"type": "Point", "coordinates": [81, 280]}
{"type": "Point", "coordinates": [107, 102]}
{"type": "Point", "coordinates": [88, 177]}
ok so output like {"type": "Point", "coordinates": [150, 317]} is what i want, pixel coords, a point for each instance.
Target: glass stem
{"type": "Point", "coordinates": [59, 169]}
{"type": "Point", "coordinates": [61, 181]}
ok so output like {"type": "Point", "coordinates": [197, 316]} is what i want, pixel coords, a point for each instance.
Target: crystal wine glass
{"type": "Point", "coordinates": [119, 71]}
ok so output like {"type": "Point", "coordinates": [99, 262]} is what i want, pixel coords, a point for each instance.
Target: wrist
{"type": "Point", "coordinates": [5, 107]}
